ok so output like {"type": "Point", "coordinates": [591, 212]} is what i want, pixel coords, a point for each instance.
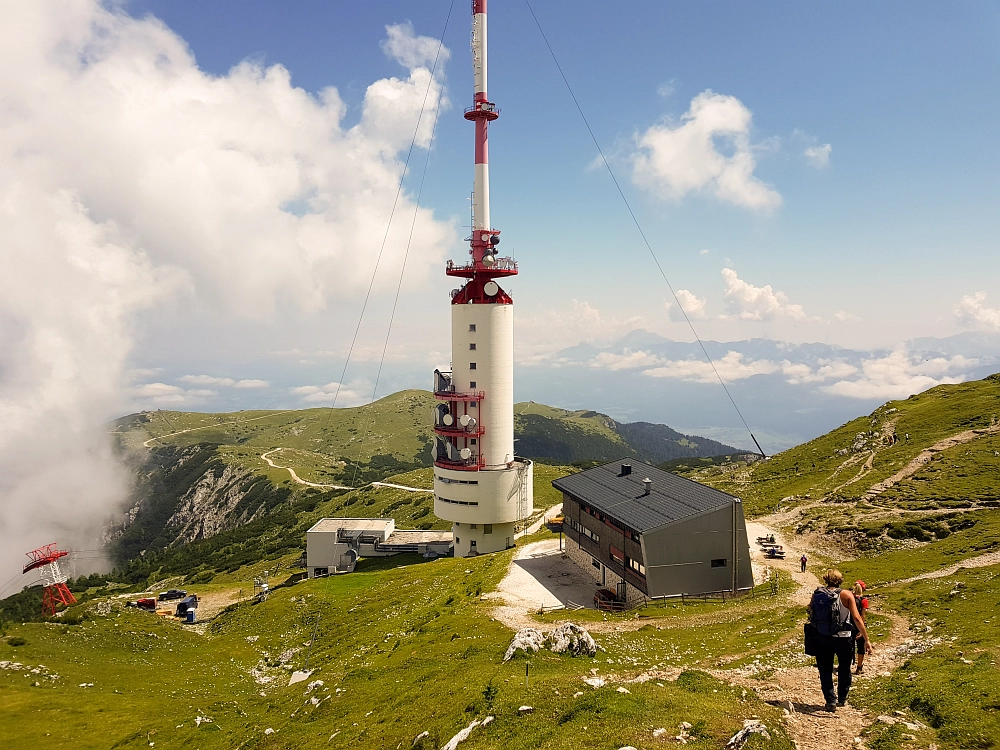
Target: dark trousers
{"type": "Point", "coordinates": [843, 649]}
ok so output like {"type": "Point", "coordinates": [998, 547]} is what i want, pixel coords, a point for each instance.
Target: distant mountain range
{"type": "Point", "coordinates": [788, 393]}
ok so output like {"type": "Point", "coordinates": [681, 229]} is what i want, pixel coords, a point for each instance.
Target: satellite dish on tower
{"type": "Point", "coordinates": [491, 288]}
{"type": "Point", "coordinates": [489, 260]}
{"type": "Point", "coordinates": [466, 453]}
{"type": "Point", "coordinates": [465, 419]}
{"type": "Point", "coordinates": [448, 420]}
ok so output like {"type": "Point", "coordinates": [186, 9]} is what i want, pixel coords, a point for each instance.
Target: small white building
{"type": "Point", "coordinates": [334, 545]}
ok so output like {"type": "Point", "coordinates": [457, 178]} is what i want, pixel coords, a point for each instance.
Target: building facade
{"type": "Point", "coordinates": [645, 533]}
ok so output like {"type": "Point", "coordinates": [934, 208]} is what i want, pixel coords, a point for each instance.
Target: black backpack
{"type": "Point", "coordinates": [827, 613]}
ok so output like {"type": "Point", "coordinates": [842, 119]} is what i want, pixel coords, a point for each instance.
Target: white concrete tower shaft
{"type": "Point", "coordinates": [479, 484]}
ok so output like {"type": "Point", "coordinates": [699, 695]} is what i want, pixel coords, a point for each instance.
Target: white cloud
{"type": "Point", "coordinates": [748, 302]}
{"type": "Point", "coordinates": [352, 394]}
{"type": "Point", "coordinates": [731, 367]}
{"type": "Point", "coordinates": [899, 375]}
{"type": "Point", "coordinates": [799, 373]}
{"type": "Point", "coordinates": [222, 382]}
{"type": "Point", "coordinates": [674, 159]}
{"type": "Point", "coordinates": [412, 51]}
{"type": "Point", "coordinates": [845, 317]}
{"type": "Point", "coordinates": [251, 383]}
{"type": "Point", "coordinates": [693, 305]}
{"type": "Point", "coordinates": [206, 380]}
{"type": "Point", "coordinates": [818, 156]}
{"type": "Point", "coordinates": [706, 251]}
{"type": "Point", "coordinates": [150, 395]}
{"type": "Point", "coordinates": [972, 310]}
{"type": "Point", "coordinates": [627, 360]}
{"type": "Point", "coordinates": [134, 180]}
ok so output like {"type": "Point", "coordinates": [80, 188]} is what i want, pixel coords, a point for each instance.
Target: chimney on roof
{"type": "Point", "coordinates": [626, 470]}
{"type": "Point", "coordinates": [647, 484]}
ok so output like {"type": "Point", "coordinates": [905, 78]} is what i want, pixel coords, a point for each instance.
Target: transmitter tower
{"type": "Point", "coordinates": [479, 484]}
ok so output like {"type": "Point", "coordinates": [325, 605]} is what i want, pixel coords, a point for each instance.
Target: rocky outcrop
{"type": "Point", "coordinates": [567, 638]}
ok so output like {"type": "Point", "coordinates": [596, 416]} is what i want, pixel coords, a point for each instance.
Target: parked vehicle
{"type": "Point", "coordinates": [166, 596]}
{"type": "Point", "coordinates": [148, 604]}
{"type": "Point", "coordinates": [185, 604]}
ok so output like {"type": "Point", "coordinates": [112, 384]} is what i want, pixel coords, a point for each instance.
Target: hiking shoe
{"type": "Point", "coordinates": [831, 707]}
{"type": "Point", "coordinates": [842, 703]}
{"type": "Point", "coordinates": [859, 670]}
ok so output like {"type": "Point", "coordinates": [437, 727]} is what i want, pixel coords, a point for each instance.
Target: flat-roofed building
{"type": "Point", "coordinates": [334, 545]}
{"type": "Point", "coordinates": [644, 532]}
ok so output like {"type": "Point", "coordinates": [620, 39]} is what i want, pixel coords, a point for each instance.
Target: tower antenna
{"type": "Point", "coordinates": [45, 561]}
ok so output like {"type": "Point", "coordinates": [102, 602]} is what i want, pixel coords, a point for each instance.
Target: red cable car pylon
{"type": "Point", "coordinates": [45, 560]}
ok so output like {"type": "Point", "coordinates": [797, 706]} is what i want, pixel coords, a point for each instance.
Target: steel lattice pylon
{"type": "Point", "coordinates": [45, 561]}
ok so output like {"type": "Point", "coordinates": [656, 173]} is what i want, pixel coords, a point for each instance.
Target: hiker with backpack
{"type": "Point", "coordinates": [862, 641]}
{"type": "Point", "coordinates": [833, 618]}
{"type": "Point", "coordinates": [802, 561]}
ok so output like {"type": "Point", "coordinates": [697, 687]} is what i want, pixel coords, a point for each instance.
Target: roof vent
{"type": "Point", "coordinates": [647, 485]}
{"type": "Point", "coordinates": [626, 470]}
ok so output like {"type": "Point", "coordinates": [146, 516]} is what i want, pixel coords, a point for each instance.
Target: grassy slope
{"type": "Point", "coordinates": [810, 471]}
{"type": "Point", "coordinates": [411, 648]}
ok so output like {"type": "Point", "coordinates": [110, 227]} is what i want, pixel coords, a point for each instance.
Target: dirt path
{"type": "Point", "coordinates": [146, 444]}
{"type": "Point", "coordinates": [925, 456]}
{"type": "Point", "coordinates": [982, 561]}
{"type": "Point", "coordinates": [295, 477]}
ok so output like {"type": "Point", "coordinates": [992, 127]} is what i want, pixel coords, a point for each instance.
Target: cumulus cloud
{"type": "Point", "coordinates": [132, 179]}
{"type": "Point", "coordinates": [843, 316]}
{"type": "Point", "coordinates": [818, 156]}
{"type": "Point", "coordinates": [350, 394]}
{"type": "Point", "coordinates": [693, 305]}
{"type": "Point", "coordinates": [164, 395]}
{"type": "Point", "coordinates": [708, 150]}
{"type": "Point", "coordinates": [412, 51]}
{"type": "Point", "coordinates": [731, 367]}
{"type": "Point", "coordinates": [748, 302]}
{"type": "Point", "coordinates": [222, 382]}
{"type": "Point", "coordinates": [799, 373]}
{"type": "Point", "coordinates": [972, 311]}
{"type": "Point", "coordinates": [900, 374]}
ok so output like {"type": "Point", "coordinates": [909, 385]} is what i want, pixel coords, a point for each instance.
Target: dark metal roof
{"type": "Point", "coordinates": [670, 499]}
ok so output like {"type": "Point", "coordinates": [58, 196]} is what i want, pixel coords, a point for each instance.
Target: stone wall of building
{"type": "Point", "coordinates": [604, 576]}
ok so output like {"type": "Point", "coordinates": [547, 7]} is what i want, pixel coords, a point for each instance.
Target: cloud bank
{"type": "Point", "coordinates": [134, 180]}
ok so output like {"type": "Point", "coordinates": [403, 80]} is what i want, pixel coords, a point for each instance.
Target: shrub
{"type": "Point", "coordinates": [16, 641]}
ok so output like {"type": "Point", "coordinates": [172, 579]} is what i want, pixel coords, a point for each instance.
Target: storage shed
{"type": "Point", "coordinates": [646, 533]}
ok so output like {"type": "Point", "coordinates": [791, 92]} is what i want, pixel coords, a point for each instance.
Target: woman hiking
{"type": "Point", "coordinates": [862, 641]}
{"type": "Point", "coordinates": [834, 612]}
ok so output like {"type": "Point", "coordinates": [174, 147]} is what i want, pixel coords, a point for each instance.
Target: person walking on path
{"type": "Point", "coordinates": [861, 641]}
{"type": "Point", "coordinates": [834, 613]}
{"type": "Point", "coordinates": [803, 560]}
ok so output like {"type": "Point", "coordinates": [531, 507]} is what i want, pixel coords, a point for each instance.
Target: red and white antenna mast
{"type": "Point", "coordinates": [45, 560]}
{"type": "Point", "coordinates": [479, 484]}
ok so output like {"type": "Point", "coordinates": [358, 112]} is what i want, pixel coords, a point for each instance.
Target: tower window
{"type": "Point", "coordinates": [720, 563]}
{"type": "Point", "coordinates": [472, 384]}
{"type": "Point", "coordinates": [472, 442]}
{"type": "Point", "coordinates": [472, 347]}
{"type": "Point", "coordinates": [472, 404]}
{"type": "Point", "coordinates": [487, 528]}
{"type": "Point", "coordinates": [472, 365]}
{"type": "Point", "coordinates": [472, 327]}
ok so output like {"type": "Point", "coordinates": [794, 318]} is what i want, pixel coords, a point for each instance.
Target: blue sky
{"type": "Point", "coordinates": [195, 195]}
{"type": "Point", "coordinates": [898, 90]}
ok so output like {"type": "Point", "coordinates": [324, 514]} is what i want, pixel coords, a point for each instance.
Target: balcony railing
{"type": "Point", "coordinates": [459, 431]}
{"type": "Point", "coordinates": [500, 267]}
{"type": "Point", "coordinates": [453, 395]}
